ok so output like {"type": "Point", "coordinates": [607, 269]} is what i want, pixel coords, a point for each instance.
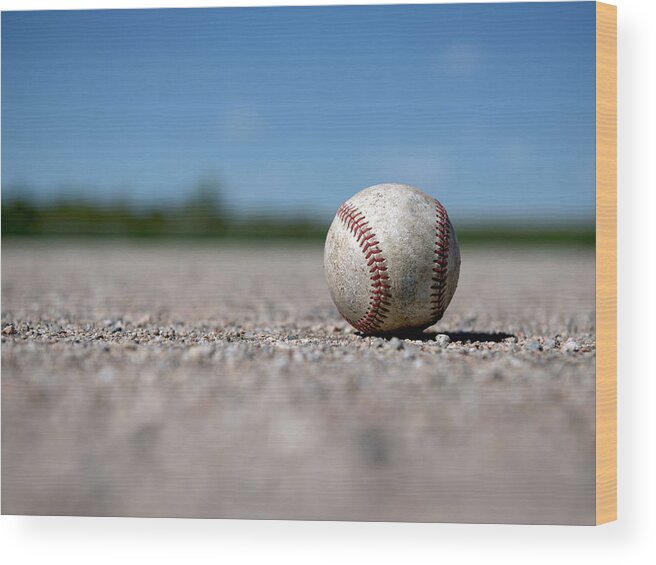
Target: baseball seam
{"type": "Point", "coordinates": [440, 263]}
{"type": "Point", "coordinates": [380, 296]}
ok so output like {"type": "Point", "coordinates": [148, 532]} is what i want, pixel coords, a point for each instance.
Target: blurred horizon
{"type": "Point", "coordinates": [204, 215]}
{"type": "Point", "coordinates": [289, 111]}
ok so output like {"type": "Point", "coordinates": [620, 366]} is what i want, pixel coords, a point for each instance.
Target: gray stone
{"type": "Point", "coordinates": [570, 346]}
{"type": "Point", "coordinates": [548, 344]}
{"type": "Point", "coordinates": [442, 340]}
{"type": "Point", "coordinates": [395, 343]}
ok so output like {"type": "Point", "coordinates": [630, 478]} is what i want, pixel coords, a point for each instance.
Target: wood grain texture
{"type": "Point", "coordinates": [606, 174]}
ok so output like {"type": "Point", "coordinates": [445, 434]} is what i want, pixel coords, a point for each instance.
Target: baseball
{"type": "Point", "coordinates": [391, 259]}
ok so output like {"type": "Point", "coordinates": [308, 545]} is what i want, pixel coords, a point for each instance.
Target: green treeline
{"type": "Point", "coordinates": [204, 216]}
{"type": "Point", "coordinates": [69, 219]}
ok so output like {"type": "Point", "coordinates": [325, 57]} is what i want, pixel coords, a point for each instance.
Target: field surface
{"type": "Point", "coordinates": [219, 381]}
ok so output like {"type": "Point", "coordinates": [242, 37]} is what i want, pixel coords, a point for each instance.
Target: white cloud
{"type": "Point", "coordinates": [461, 58]}
{"type": "Point", "coordinates": [241, 122]}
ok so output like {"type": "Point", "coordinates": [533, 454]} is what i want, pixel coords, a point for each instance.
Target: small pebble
{"type": "Point", "coordinates": [442, 340]}
{"type": "Point", "coordinates": [570, 346]}
{"type": "Point", "coordinates": [395, 343]}
{"type": "Point", "coordinates": [549, 344]}
{"type": "Point", "coordinates": [8, 330]}
{"type": "Point", "coordinates": [533, 346]}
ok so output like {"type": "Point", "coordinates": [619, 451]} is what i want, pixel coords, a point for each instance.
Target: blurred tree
{"type": "Point", "coordinates": [203, 213]}
{"type": "Point", "coordinates": [19, 217]}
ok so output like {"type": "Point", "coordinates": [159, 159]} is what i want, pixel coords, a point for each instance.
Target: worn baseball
{"type": "Point", "coordinates": [391, 259]}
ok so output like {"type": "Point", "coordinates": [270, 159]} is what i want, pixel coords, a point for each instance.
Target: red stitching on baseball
{"type": "Point", "coordinates": [380, 295]}
{"type": "Point", "coordinates": [441, 262]}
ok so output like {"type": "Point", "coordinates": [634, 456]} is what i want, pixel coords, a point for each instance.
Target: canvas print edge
{"type": "Point", "coordinates": [606, 173]}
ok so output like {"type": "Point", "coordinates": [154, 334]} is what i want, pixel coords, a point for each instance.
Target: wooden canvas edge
{"type": "Point", "coordinates": [606, 259]}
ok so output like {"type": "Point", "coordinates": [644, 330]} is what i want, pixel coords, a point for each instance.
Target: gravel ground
{"type": "Point", "coordinates": [214, 381]}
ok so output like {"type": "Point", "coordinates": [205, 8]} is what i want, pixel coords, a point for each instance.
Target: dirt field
{"type": "Point", "coordinates": [209, 381]}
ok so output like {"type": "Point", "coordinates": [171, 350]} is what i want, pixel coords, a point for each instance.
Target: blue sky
{"type": "Point", "coordinates": [490, 108]}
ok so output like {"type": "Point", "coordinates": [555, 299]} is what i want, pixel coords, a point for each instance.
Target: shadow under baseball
{"type": "Point", "coordinates": [462, 337]}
